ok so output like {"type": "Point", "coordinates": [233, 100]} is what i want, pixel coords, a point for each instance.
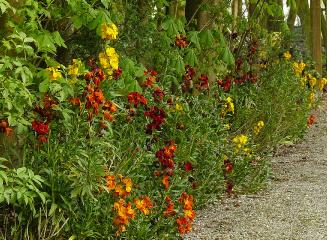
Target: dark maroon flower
{"type": "Point", "coordinates": [188, 166]}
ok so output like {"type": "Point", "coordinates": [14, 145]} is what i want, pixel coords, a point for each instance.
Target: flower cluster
{"type": "Point", "coordinates": [169, 208]}
{"type": "Point", "coordinates": [203, 82]}
{"type": "Point", "coordinates": [125, 213]}
{"type": "Point", "coordinates": [121, 188]}
{"type": "Point", "coordinates": [4, 127]}
{"type": "Point", "coordinates": [109, 31]}
{"type": "Point", "coordinates": [181, 41]}
{"type": "Point", "coordinates": [150, 78]}
{"type": "Point", "coordinates": [188, 79]}
{"type": "Point", "coordinates": [42, 129]}
{"type": "Point", "coordinates": [165, 157]}
{"type": "Point", "coordinates": [258, 127]}
{"type": "Point", "coordinates": [225, 84]}
{"type": "Point", "coordinates": [229, 107]}
{"type": "Point", "coordinates": [117, 73]}
{"type": "Point", "coordinates": [158, 118]}
{"type": "Point", "coordinates": [73, 69]}
{"type": "Point", "coordinates": [287, 55]}
{"type": "Point", "coordinates": [240, 141]}
{"type": "Point", "coordinates": [228, 165]}
{"type": "Point", "coordinates": [109, 60]}
{"type": "Point", "coordinates": [143, 204]}
{"type": "Point", "coordinates": [136, 98]}
{"type": "Point", "coordinates": [185, 222]}
{"type": "Point", "coordinates": [298, 68]}
{"type": "Point", "coordinates": [45, 114]}
{"type": "Point", "coordinates": [158, 94]}
{"type": "Point", "coordinates": [54, 73]}
{"type": "Point", "coordinates": [322, 83]}
{"type": "Point", "coordinates": [311, 120]}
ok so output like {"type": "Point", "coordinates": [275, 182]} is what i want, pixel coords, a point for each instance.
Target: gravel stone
{"type": "Point", "coordinates": [292, 207]}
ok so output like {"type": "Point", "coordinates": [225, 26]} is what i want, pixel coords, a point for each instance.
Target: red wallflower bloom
{"type": "Point", "coordinates": [42, 138]}
{"type": "Point", "coordinates": [117, 73]}
{"type": "Point", "coordinates": [187, 78]}
{"type": "Point", "coordinates": [188, 166]}
{"type": "Point", "coordinates": [181, 41]}
{"type": "Point", "coordinates": [158, 95]}
{"type": "Point", "coordinates": [158, 118]}
{"type": "Point", "coordinates": [40, 128]}
{"type": "Point", "coordinates": [225, 84]}
{"type": "Point", "coordinates": [203, 82]}
{"type": "Point", "coordinates": [228, 166]}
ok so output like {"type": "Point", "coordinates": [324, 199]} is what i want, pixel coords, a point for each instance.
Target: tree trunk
{"type": "Point", "coordinates": [194, 14]}
{"type": "Point", "coordinates": [316, 34]}
{"type": "Point", "coordinates": [305, 19]}
{"type": "Point", "coordinates": [274, 22]}
{"type": "Point", "coordinates": [234, 12]}
{"type": "Point", "coordinates": [324, 30]}
{"type": "Point", "coordinates": [240, 11]}
{"type": "Point", "coordinates": [191, 10]}
{"type": "Point", "coordinates": [175, 9]}
{"type": "Point", "coordinates": [292, 18]}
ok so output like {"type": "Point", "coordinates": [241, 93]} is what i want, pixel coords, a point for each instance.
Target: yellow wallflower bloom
{"type": "Point", "coordinates": [240, 141]}
{"type": "Point", "coordinates": [74, 67]}
{"type": "Point", "coordinates": [298, 67]}
{"type": "Point", "coordinates": [321, 83]}
{"type": "Point", "coordinates": [287, 55]}
{"type": "Point", "coordinates": [109, 59]}
{"type": "Point", "coordinates": [178, 107]}
{"type": "Point", "coordinates": [258, 127]}
{"type": "Point", "coordinates": [303, 81]}
{"type": "Point", "coordinates": [312, 97]}
{"type": "Point", "coordinates": [230, 105]}
{"type": "Point", "coordinates": [109, 31]}
{"type": "Point", "coordinates": [54, 73]}
{"type": "Point", "coordinates": [104, 61]}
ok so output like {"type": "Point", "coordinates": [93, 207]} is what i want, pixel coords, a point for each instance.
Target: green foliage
{"type": "Point", "coordinates": [75, 123]}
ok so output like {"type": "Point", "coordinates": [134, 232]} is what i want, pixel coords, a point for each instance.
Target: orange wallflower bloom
{"type": "Point", "coordinates": [184, 225]}
{"type": "Point", "coordinates": [170, 207]}
{"type": "Point", "coordinates": [143, 205]}
{"type": "Point", "coordinates": [125, 213]}
{"type": "Point", "coordinates": [190, 214]}
{"type": "Point", "coordinates": [111, 182]}
{"type": "Point", "coordinates": [107, 115]}
{"type": "Point", "coordinates": [311, 120]}
{"type": "Point", "coordinates": [165, 182]}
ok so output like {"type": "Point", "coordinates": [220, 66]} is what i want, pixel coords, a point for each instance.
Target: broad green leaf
{"type": "Point", "coordinates": [228, 57]}
{"type": "Point", "coordinates": [193, 37]}
{"type": "Point", "coordinates": [191, 58]}
{"type": "Point", "coordinates": [44, 86]}
{"type": "Point", "coordinates": [206, 38]}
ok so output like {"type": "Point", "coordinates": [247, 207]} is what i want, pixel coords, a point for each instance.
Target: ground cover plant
{"type": "Point", "coordinates": [120, 119]}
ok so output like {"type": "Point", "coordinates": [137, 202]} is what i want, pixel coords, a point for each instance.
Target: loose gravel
{"type": "Point", "coordinates": [293, 206]}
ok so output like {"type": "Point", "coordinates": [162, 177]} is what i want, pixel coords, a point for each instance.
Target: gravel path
{"type": "Point", "coordinates": [294, 205]}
